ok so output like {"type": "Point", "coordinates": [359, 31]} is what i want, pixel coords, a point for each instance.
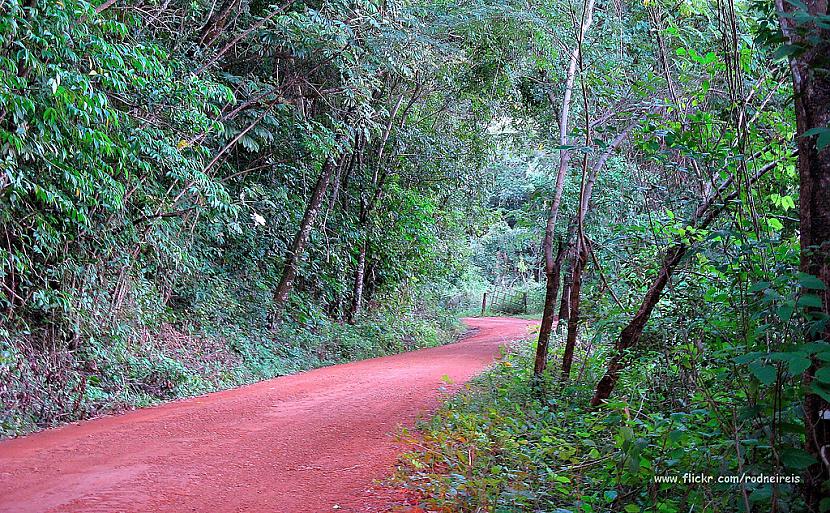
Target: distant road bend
{"type": "Point", "coordinates": [308, 443]}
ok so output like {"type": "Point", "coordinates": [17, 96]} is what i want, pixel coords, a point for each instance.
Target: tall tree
{"type": "Point", "coordinates": [806, 27]}
{"type": "Point", "coordinates": [368, 200]}
{"type": "Point", "coordinates": [552, 271]}
{"type": "Point", "coordinates": [582, 248]}
{"type": "Point", "coordinates": [706, 212]}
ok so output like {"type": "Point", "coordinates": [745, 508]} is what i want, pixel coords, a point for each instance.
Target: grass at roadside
{"type": "Point", "coordinates": [42, 388]}
{"type": "Point", "coordinates": [503, 447]}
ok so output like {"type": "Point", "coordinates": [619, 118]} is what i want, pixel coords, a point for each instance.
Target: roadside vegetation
{"type": "Point", "coordinates": [662, 202]}
{"type": "Point", "coordinates": [503, 446]}
{"type": "Point", "coordinates": [196, 194]}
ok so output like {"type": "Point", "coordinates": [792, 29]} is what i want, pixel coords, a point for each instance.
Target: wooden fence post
{"type": "Point", "coordinates": [483, 303]}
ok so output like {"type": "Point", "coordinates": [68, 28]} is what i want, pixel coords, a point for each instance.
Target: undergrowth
{"type": "Point", "coordinates": [133, 367]}
{"type": "Point", "coordinates": [506, 446]}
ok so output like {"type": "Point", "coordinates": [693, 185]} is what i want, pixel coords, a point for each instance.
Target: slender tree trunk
{"type": "Point", "coordinates": [343, 162]}
{"type": "Point", "coordinates": [367, 206]}
{"type": "Point", "coordinates": [811, 88]}
{"type": "Point", "coordinates": [217, 22]}
{"type": "Point", "coordinates": [562, 252]}
{"type": "Point", "coordinates": [633, 331]}
{"type": "Point", "coordinates": [573, 314]}
{"type": "Point", "coordinates": [552, 288]}
{"type": "Point", "coordinates": [580, 257]}
{"type": "Point", "coordinates": [371, 285]}
{"type": "Point", "coordinates": [294, 254]}
{"type": "Point", "coordinates": [565, 302]}
{"type": "Point", "coordinates": [366, 224]}
{"type": "Point", "coordinates": [359, 278]}
{"type": "Point", "coordinates": [581, 249]}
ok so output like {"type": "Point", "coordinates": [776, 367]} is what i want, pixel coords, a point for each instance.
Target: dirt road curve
{"type": "Point", "coordinates": [296, 444]}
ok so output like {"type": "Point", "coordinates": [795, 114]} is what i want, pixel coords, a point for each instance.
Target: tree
{"type": "Point", "coordinates": [707, 211]}
{"type": "Point", "coordinates": [582, 245]}
{"type": "Point", "coordinates": [806, 28]}
{"type": "Point", "coordinates": [295, 252]}
{"type": "Point", "coordinates": [552, 271]}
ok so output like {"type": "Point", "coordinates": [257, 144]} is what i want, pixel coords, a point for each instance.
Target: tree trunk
{"type": "Point", "coordinates": [811, 88]}
{"type": "Point", "coordinates": [359, 278]}
{"type": "Point", "coordinates": [367, 205]}
{"type": "Point", "coordinates": [294, 254]}
{"type": "Point", "coordinates": [632, 333]}
{"type": "Point", "coordinates": [551, 291]}
{"type": "Point", "coordinates": [337, 183]}
{"type": "Point", "coordinates": [581, 249]}
{"type": "Point", "coordinates": [217, 22]}
{"type": "Point", "coordinates": [565, 303]}
{"type": "Point", "coordinates": [703, 217]}
{"type": "Point", "coordinates": [573, 314]}
{"type": "Point", "coordinates": [552, 288]}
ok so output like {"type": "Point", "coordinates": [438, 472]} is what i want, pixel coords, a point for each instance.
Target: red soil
{"type": "Point", "coordinates": [312, 442]}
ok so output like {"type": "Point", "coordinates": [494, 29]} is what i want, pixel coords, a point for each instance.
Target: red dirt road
{"type": "Point", "coordinates": [295, 444]}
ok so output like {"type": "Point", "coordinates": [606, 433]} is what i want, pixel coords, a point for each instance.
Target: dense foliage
{"type": "Point", "coordinates": [692, 324]}
{"type": "Point", "coordinates": [503, 447]}
{"type": "Point", "coordinates": [196, 194]}
{"type": "Point", "coordinates": [160, 161]}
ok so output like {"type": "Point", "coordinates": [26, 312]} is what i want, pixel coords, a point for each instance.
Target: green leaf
{"type": "Point", "coordinates": [823, 134]}
{"type": "Point", "coordinates": [746, 358]}
{"type": "Point", "coordinates": [785, 356]}
{"type": "Point", "coordinates": [786, 51]}
{"type": "Point", "coordinates": [823, 374]}
{"type": "Point", "coordinates": [798, 365]}
{"type": "Point", "coordinates": [818, 346]}
{"type": "Point", "coordinates": [796, 458]}
{"type": "Point", "coordinates": [785, 311]}
{"type": "Point", "coordinates": [759, 286]}
{"type": "Point", "coordinates": [766, 374]}
{"type": "Point", "coordinates": [820, 389]}
{"type": "Point", "coordinates": [808, 281]}
{"type": "Point", "coordinates": [809, 301]}
{"type": "Point", "coordinates": [763, 493]}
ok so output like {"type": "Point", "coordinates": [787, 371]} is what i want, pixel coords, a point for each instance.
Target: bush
{"type": "Point", "coordinates": [42, 387]}
{"type": "Point", "coordinates": [507, 446]}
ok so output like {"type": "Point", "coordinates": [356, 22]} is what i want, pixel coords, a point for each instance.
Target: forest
{"type": "Point", "coordinates": [201, 194]}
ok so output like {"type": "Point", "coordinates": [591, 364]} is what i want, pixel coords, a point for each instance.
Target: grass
{"type": "Point", "coordinates": [505, 446]}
